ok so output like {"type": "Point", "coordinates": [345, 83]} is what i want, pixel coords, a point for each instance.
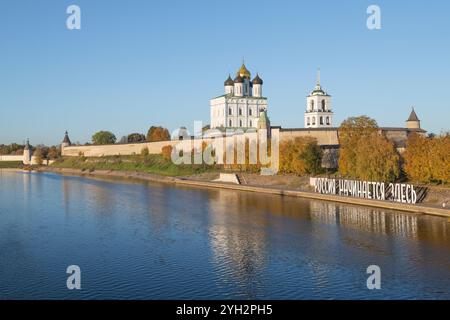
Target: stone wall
{"type": "Point", "coordinates": [11, 158]}
{"type": "Point", "coordinates": [116, 149]}
{"type": "Point", "coordinates": [153, 147]}
{"type": "Point", "coordinates": [325, 137]}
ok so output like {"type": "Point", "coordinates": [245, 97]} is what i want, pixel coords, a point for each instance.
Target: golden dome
{"type": "Point", "coordinates": [243, 72]}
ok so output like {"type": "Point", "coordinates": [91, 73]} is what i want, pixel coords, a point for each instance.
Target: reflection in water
{"type": "Point", "coordinates": [241, 249]}
{"type": "Point", "coordinates": [152, 241]}
{"type": "Point", "coordinates": [379, 221]}
{"type": "Point", "coordinates": [238, 250]}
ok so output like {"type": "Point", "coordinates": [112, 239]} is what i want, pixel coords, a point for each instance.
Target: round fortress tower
{"type": "Point", "coordinates": [413, 121]}
{"type": "Point", "coordinates": [27, 154]}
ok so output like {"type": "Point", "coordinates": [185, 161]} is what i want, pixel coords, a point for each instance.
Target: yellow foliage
{"type": "Point", "coordinates": [428, 159]}
{"type": "Point", "coordinates": [291, 159]}
{"type": "Point", "coordinates": [364, 153]}
{"type": "Point", "coordinates": [166, 152]}
{"type": "Point", "coordinates": [377, 159]}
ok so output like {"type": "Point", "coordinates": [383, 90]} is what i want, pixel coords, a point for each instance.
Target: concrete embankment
{"type": "Point", "coordinates": [414, 208]}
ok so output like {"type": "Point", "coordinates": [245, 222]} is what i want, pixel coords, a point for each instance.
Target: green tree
{"type": "Point", "coordinates": [158, 134]}
{"type": "Point", "coordinates": [135, 138]}
{"type": "Point", "coordinates": [103, 137]}
{"type": "Point", "coordinates": [312, 157]}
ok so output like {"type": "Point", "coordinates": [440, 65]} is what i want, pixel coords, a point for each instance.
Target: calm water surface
{"type": "Point", "coordinates": [152, 241]}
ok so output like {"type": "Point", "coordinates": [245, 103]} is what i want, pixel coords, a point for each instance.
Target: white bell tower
{"type": "Point", "coordinates": [318, 112]}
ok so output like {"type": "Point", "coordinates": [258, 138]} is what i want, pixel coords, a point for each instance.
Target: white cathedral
{"type": "Point", "coordinates": [243, 103]}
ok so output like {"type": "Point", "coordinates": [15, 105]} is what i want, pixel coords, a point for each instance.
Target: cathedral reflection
{"type": "Point", "coordinates": [237, 246]}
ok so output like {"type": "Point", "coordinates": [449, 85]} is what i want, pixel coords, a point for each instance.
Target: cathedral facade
{"type": "Point", "coordinates": [242, 103]}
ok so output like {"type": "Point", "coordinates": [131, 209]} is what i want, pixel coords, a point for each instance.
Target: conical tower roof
{"type": "Point", "coordinates": [413, 116]}
{"type": "Point", "coordinates": [66, 139]}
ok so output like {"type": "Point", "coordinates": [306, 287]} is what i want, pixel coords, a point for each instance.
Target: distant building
{"type": "Point", "coordinates": [27, 154]}
{"type": "Point", "coordinates": [66, 141]}
{"type": "Point", "coordinates": [318, 108]}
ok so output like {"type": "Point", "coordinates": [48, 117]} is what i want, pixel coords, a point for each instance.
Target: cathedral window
{"type": "Point", "coordinates": [240, 111]}
{"type": "Point", "coordinates": [312, 104]}
{"type": "Point", "coordinates": [251, 123]}
{"type": "Point", "coordinates": [323, 105]}
{"type": "Point", "coordinates": [230, 123]}
{"type": "Point", "coordinates": [328, 120]}
{"type": "Point", "coordinates": [250, 112]}
{"type": "Point", "coordinates": [230, 112]}
{"type": "Point", "coordinates": [321, 120]}
{"type": "Point", "coordinates": [313, 120]}
{"type": "Point", "coordinates": [240, 123]}
{"type": "Point", "coordinates": [308, 122]}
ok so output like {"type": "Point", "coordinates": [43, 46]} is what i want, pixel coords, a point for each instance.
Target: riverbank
{"type": "Point", "coordinates": [201, 182]}
{"type": "Point", "coordinates": [10, 164]}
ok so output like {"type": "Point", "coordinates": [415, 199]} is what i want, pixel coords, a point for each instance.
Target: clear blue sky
{"type": "Point", "coordinates": [140, 63]}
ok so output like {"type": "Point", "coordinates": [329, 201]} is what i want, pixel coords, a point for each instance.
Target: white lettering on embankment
{"type": "Point", "coordinates": [396, 192]}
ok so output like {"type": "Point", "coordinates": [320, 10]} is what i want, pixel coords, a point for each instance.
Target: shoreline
{"type": "Point", "coordinates": [411, 208]}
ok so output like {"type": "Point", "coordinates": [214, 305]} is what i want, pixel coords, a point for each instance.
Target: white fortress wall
{"type": "Point", "coordinates": [153, 147]}
{"type": "Point", "coordinates": [11, 158]}
{"type": "Point", "coordinates": [116, 149]}
{"type": "Point", "coordinates": [325, 137]}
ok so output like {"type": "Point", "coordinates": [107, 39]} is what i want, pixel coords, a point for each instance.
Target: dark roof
{"type": "Point", "coordinates": [413, 116]}
{"type": "Point", "coordinates": [257, 80]}
{"type": "Point", "coordinates": [229, 81]}
{"type": "Point", "coordinates": [239, 79]}
{"type": "Point", "coordinates": [66, 139]}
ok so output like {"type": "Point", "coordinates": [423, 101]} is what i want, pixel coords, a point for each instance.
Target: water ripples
{"type": "Point", "coordinates": [151, 241]}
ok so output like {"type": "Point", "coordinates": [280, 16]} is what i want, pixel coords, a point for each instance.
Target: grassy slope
{"type": "Point", "coordinates": [152, 163]}
{"type": "Point", "coordinates": [10, 164]}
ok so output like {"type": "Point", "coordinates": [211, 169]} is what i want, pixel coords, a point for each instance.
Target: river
{"type": "Point", "coordinates": [136, 240]}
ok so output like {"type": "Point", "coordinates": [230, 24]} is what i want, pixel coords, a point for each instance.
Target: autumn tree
{"type": "Point", "coordinates": [144, 152]}
{"type": "Point", "coordinates": [352, 131]}
{"type": "Point", "coordinates": [441, 158]}
{"type": "Point", "coordinates": [53, 153]}
{"type": "Point", "coordinates": [300, 156]}
{"type": "Point", "coordinates": [427, 159]}
{"type": "Point", "coordinates": [103, 137]}
{"type": "Point", "coordinates": [166, 152]}
{"type": "Point", "coordinates": [158, 134]}
{"type": "Point", "coordinates": [38, 155]}
{"type": "Point", "coordinates": [377, 159]}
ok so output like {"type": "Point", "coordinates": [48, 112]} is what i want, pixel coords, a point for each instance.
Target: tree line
{"type": "Point", "coordinates": [153, 134]}
{"type": "Point", "coordinates": [366, 154]}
